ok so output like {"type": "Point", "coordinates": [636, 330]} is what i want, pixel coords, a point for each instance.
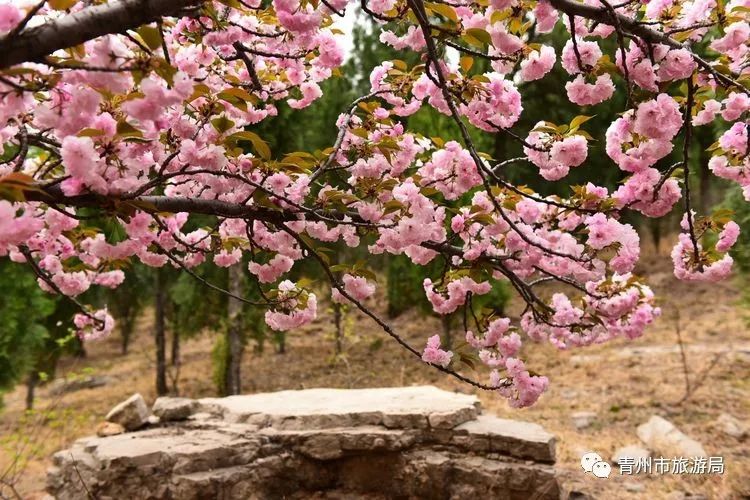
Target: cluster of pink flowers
{"type": "Point", "coordinates": [524, 389]}
{"type": "Point", "coordinates": [451, 170]}
{"type": "Point", "coordinates": [10, 16]}
{"type": "Point", "coordinates": [661, 64]}
{"type": "Point", "coordinates": [271, 271]}
{"type": "Point", "coordinates": [434, 354]}
{"type": "Point", "coordinates": [15, 229]}
{"type": "Point", "coordinates": [693, 263]}
{"type": "Point", "coordinates": [555, 157]}
{"type": "Point", "coordinates": [295, 308]}
{"type": "Point", "coordinates": [94, 326]}
{"type": "Point", "coordinates": [538, 63]}
{"type": "Point", "coordinates": [454, 294]}
{"type": "Point", "coordinates": [636, 141]}
{"type": "Point", "coordinates": [357, 287]}
{"type": "Point", "coordinates": [621, 306]}
{"type": "Point", "coordinates": [732, 161]}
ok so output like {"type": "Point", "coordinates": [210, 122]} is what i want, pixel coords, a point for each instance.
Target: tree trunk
{"type": "Point", "coordinates": [280, 342]}
{"type": "Point", "coordinates": [79, 349]}
{"type": "Point", "coordinates": [128, 324]}
{"type": "Point", "coordinates": [175, 350]}
{"type": "Point", "coordinates": [31, 384]}
{"type": "Point", "coordinates": [234, 333]}
{"type": "Point", "coordinates": [447, 333]}
{"type": "Point", "coordinates": [160, 334]}
{"type": "Point", "coordinates": [339, 328]}
{"type": "Point", "coordinates": [655, 226]}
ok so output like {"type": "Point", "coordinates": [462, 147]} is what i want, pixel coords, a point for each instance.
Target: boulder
{"type": "Point", "coordinates": [170, 409]}
{"type": "Point", "coordinates": [62, 386]}
{"type": "Point", "coordinates": [662, 436]}
{"type": "Point", "coordinates": [510, 437]}
{"type": "Point", "coordinates": [412, 442]}
{"type": "Point", "coordinates": [131, 414]}
{"type": "Point", "coordinates": [396, 407]}
{"type": "Point", "coordinates": [634, 487]}
{"type": "Point", "coordinates": [583, 419]}
{"type": "Point", "coordinates": [109, 429]}
{"type": "Point", "coordinates": [731, 426]}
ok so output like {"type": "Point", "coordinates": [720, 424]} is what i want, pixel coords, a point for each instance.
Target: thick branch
{"type": "Point", "coordinates": [602, 15]}
{"type": "Point", "coordinates": [54, 196]}
{"type": "Point", "coordinates": [33, 44]}
{"type": "Point", "coordinates": [633, 27]}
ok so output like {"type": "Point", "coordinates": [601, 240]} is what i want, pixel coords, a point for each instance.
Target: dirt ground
{"type": "Point", "coordinates": [623, 382]}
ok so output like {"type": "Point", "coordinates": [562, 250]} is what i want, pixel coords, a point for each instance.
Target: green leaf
{"type": "Point", "coordinates": [61, 4]}
{"type": "Point", "coordinates": [151, 36]}
{"type": "Point", "coordinates": [90, 132]}
{"type": "Point", "coordinates": [480, 35]}
{"type": "Point", "coordinates": [260, 146]}
{"type": "Point", "coordinates": [466, 63]}
{"type": "Point", "coordinates": [222, 124]}
{"type": "Point", "coordinates": [578, 121]}
{"type": "Point", "coordinates": [444, 10]}
{"type": "Point", "coordinates": [125, 129]}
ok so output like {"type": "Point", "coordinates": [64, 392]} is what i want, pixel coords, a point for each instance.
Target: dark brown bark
{"type": "Point", "coordinates": [160, 334]}
{"type": "Point", "coordinates": [126, 332]}
{"type": "Point", "coordinates": [445, 320]}
{"type": "Point", "coordinates": [337, 317]}
{"type": "Point", "coordinates": [175, 350]}
{"type": "Point", "coordinates": [116, 16]}
{"type": "Point", "coordinates": [31, 384]}
{"type": "Point", "coordinates": [234, 334]}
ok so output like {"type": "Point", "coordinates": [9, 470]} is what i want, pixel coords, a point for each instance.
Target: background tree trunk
{"type": "Point", "coordinates": [447, 333]}
{"type": "Point", "coordinates": [160, 334]}
{"type": "Point", "coordinates": [337, 316]}
{"type": "Point", "coordinates": [175, 350]}
{"type": "Point", "coordinates": [126, 332]}
{"type": "Point", "coordinates": [31, 384]}
{"type": "Point", "coordinates": [234, 332]}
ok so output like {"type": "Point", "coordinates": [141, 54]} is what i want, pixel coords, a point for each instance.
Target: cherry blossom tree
{"type": "Point", "coordinates": [143, 112]}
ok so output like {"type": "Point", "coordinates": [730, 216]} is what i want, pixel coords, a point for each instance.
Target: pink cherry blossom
{"type": "Point", "coordinates": [538, 64]}
{"type": "Point", "coordinates": [658, 118]}
{"type": "Point", "coordinates": [583, 93]}
{"type": "Point", "coordinates": [434, 355]}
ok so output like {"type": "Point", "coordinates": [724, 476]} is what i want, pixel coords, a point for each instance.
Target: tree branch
{"type": "Point", "coordinates": [33, 44]}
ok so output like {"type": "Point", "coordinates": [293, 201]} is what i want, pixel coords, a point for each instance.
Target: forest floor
{"type": "Point", "coordinates": [623, 382]}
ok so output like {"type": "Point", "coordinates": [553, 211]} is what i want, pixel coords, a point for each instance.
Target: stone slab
{"type": "Point", "coordinates": [395, 407]}
{"type": "Point", "coordinates": [524, 440]}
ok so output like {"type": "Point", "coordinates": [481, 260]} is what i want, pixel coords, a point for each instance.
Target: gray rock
{"type": "Point", "coordinates": [109, 429]}
{"type": "Point", "coordinates": [510, 437]}
{"type": "Point", "coordinates": [401, 407]}
{"type": "Point", "coordinates": [235, 449]}
{"type": "Point", "coordinates": [170, 409]}
{"type": "Point", "coordinates": [662, 436]}
{"type": "Point", "coordinates": [578, 495]}
{"type": "Point", "coordinates": [633, 487]}
{"type": "Point", "coordinates": [731, 426]}
{"type": "Point", "coordinates": [682, 495]}
{"type": "Point", "coordinates": [131, 414]}
{"type": "Point", "coordinates": [633, 451]}
{"type": "Point", "coordinates": [62, 386]}
{"type": "Point", "coordinates": [583, 419]}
